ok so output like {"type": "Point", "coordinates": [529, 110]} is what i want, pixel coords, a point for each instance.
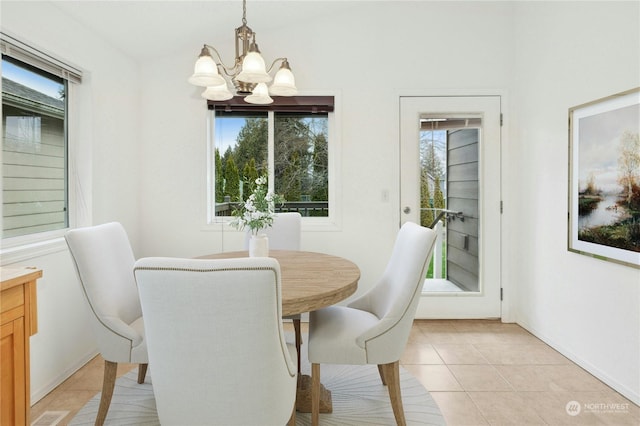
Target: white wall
{"type": "Point", "coordinates": [107, 147]}
{"type": "Point", "coordinates": [568, 54]}
{"type": "Point", "coordinates": [546, 56]}
{"type": "Point", "coordinates": [368, 58]}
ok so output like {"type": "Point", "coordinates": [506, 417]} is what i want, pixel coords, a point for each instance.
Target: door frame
{"type": "Point", "coordinates": [507, 290]}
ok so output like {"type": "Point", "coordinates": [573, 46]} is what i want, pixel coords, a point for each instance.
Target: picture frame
{"type": "Point", "coordinates": [604, 178]}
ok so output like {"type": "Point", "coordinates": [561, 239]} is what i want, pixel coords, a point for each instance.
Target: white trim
{"type": "Point", "coordinates": [38, 58]}
{"type": "Point", "coordinates": [38, 394]}
{"type": "Point", "coordinates": [79, 158]}
{"type": "Point", "coordinates": [78, 131]}
{"type": "Point", "coordinates": [21, 249]}
{"type": "Point", "coordinates": [210, 196]}
{"type": "Point", "coordinates": [309, 224]}
{"type": "Point", "coordinates": [460, 310]}
{"type": "Point", "coordinates": [627, 392]}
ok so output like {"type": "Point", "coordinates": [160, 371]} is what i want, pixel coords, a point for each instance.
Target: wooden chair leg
{"type": "Point", "coordinates": [315, 394]}
{"type": "Point", "coordinates": [381, 371]}
{"type": "Point", "coordinates": [142, 372]}
{"type": "Point", "coordinates": [296, 327]}
{"type": "Point", "coordinates": [292, 419]}
{"type": "Point", "coordinates": [108, 383]}
{"type": "Point", "coordinates": [392, 375]}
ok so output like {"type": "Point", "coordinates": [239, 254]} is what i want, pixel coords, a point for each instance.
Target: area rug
{"type": "Point", "coordinates": [359, 398]}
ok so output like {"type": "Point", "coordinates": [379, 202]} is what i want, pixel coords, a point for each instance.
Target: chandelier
{"type": "Point", "coordinates": [248, 74]}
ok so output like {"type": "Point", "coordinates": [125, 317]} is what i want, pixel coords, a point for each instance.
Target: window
{"type": "Point", "coordinates": [288, 141]}
{"type": "Point", "coordinates": [35, 96]}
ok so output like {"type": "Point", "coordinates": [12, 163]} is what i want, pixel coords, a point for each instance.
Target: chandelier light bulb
{"type": "Point", "coordinates": [205, 71]}
{"type": "Point", "coordinates": [217, 93]}
{"type": "Point", "coordinates": [284, 83]}
{"type": "Point", "coordinates": [260, 95]}
{"type": "Point", "coordinates": [253, 69]}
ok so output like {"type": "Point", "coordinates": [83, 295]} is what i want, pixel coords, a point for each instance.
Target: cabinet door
{"type": "Point", "coordinates": [13, 402]}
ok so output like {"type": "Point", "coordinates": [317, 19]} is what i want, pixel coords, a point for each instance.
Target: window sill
{"type": "Point", "coordinates": [21, 249]}
{"type": "Point", "coordinates": [323, 224]}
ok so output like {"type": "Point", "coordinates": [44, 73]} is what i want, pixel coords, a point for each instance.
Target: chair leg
{"type": "Point", "coordinates": [392, 375]}
{"type": "Point", "coordinates": [381, 371]}
{"type": "Point", "coordinates": [292, 419]}
{"type": "Point", "coordinates": [142, 372]}
{"type": "Point", "coordinates": [108, 383]}
{"type": "Point", "coordinates": [315, 394]}
{"type": "Point", "coordinates": [296, 326]}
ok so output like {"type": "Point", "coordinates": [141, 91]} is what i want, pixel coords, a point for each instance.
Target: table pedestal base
{"type": "Point", "coordinates": [303, 397]}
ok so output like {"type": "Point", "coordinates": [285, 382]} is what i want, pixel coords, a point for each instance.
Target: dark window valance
{"type": "Point", "coordinates": [309, 104]}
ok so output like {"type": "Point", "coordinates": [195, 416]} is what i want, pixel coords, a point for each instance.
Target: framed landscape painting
{"type": "Point", "coordinates": [604, 178]}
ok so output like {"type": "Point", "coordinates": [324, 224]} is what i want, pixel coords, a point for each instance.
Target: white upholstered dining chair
{"type": "Point", "coordinates": [216, 342]}
{"type": "Point", "coordinates": [104, 262]}
{"type": "Point", "coordinates": [285, 234]}
{"type": "Point", "coordinates": [374, 328]}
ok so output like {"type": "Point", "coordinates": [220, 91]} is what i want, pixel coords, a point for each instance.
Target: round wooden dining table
{"type": "Point", "coordinates": [310, 280]}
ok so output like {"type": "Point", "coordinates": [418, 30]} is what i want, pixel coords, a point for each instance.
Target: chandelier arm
{"type": "Point", "coordinates": [229, 71]}
{"type": "Point", "coordinates": [274, 62]}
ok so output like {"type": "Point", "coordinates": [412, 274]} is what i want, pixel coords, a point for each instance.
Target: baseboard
{"type": "Point", "coordinates": [628, 393]}
{"type": "Point", "coordinates": [37, 395]}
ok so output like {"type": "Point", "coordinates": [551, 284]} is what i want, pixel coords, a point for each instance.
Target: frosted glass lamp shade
{"type": "Point", "coordinates": [284, 83]}
{"type": "Point", "coordinates": [217, 93]}
{"type": "Point", "coordinates": [205, 72]}
{"type": "Point", "coordinates": [259, 96]}
{"type": "Point", "coordinates": [254, 69]}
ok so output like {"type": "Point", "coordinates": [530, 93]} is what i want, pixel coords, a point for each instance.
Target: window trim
{"type": "Point", "coordinates": [332, 222]}
{"type": "Point", "coordinates": [24, 247]}
{"type": "Point", "coordinates": [15, 48]}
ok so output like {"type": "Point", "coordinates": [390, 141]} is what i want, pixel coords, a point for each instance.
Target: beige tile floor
{"type": "Point", "coordinates": [480, 372]}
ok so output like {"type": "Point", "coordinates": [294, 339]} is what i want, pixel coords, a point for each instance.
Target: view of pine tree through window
{"type": "Point", "coordinates": [433, 148]}
{"type": "Point", "coordinates": [299, 163]}
{"type": "Point", "coordinates": [433, 162]}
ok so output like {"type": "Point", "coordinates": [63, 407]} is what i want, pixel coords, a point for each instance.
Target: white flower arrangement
{"type": "Point", "coordinates": [258, 211]}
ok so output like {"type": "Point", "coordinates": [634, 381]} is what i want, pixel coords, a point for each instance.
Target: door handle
{"type": "Point", "coordinates": [407, 210]}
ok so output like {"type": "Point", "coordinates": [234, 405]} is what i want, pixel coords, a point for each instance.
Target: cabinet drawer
{"type": "Point", "coordinates": [12, 298]}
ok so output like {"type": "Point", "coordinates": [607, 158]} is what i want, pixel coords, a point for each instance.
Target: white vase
{"type": "Point", "coordinates": [259, 246]}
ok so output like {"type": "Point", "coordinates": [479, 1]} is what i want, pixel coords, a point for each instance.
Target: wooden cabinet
{"type": "Point", "coordinates": [18, 321]}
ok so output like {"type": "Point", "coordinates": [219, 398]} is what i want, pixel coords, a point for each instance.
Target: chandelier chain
{"type": "Point", "coordinates": [244, 12]}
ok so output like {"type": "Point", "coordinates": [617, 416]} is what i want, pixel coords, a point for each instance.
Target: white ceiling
{"type": "Point", "coordinates": [146, 29]}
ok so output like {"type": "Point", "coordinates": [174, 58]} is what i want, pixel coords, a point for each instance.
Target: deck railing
{"type": "Point", "coordinates": [437, 250]}
{"type": "Point", "coordinates": [438, 226]}
{"type": "Point", "coordinates": [305, 208]}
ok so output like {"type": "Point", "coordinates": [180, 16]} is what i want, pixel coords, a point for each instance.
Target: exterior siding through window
{"type": "Point", "coordinates": [34, 153]}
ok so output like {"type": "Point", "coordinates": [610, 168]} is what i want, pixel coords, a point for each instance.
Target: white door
{"type": "Point", "coordinates": [465, 277]}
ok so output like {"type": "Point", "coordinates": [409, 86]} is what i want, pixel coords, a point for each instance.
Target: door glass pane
{"type": "Point", "coordinates": [433, 179]}
{"type": "Point", "coordinates": [449, 199]}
